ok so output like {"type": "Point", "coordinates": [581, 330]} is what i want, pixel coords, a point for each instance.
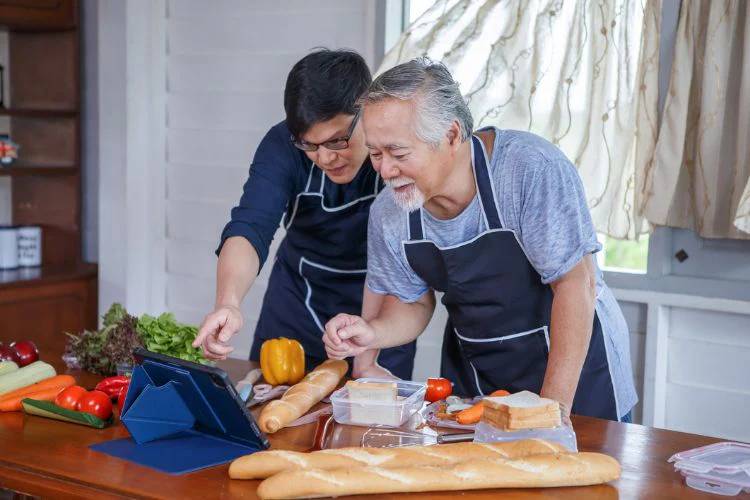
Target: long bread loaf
{"type": "Point", "coordinates": [295, 402]}
{"type": "Point", "coordinates": [267, 463]}
{"type": "Point", "coordinates": [554, 469]}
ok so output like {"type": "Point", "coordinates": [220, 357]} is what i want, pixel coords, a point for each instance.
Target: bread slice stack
{"type": "Point", "coordinates": [373, 402]}
{"type": "Point", "coordinates": [522, 410]}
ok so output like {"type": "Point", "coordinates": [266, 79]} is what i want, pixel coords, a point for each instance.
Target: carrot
{"type": "Point", "coordinates": [14, 404]}
{"type": "Point", "coordinates": [474, 414]}
{"type": "Point", "coordinates": [56, 383]}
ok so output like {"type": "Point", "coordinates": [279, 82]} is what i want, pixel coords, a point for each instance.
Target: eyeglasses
{"type": "Point", "coordinates": [334, 144]}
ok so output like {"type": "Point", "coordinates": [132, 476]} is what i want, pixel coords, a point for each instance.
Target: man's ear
{"type": "Point", "coordinates": [454, 134]}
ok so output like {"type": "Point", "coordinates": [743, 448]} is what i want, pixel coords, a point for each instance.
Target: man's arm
{"type": "Point", "coordinates": [235, 273]}
{"type": "Point", "coordinates": [398, 323]}
{"type": "Point", "coordinates": [571, 324]}
{"type": "Point", "coordinates": [365, 365]}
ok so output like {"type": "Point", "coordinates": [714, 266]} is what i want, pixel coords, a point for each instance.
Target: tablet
{"type": "Point", "coordinates": [209, 394]}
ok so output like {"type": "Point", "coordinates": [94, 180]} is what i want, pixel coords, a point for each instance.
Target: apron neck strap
{"type": "Point", "coordinates": [485, 189]}
{"type": "Point", "coordinates": [316, 181]}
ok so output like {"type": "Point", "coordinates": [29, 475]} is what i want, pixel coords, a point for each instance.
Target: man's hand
{"type": "Point", "coordinates": [216, 330]}
{"type": "Point", "coordinates": [347, 335]}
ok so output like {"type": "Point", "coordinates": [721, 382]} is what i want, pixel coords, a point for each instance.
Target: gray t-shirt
{"type": "Point", "coordinates": [539, 196]}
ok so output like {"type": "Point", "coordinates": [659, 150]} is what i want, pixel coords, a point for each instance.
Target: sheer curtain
{"type": "Point", "coordinates": [579, 73]}
{"type": "Point", "coordinates": [700, 174]}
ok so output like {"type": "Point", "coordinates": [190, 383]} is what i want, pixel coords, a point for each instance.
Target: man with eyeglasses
{"type": "Point", "coordinates": [314, 170]}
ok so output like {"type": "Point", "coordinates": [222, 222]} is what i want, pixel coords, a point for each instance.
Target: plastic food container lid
{"type": "Point", "coordinates": [722, 458]}
{"type": "Point", "coordinates": [562, 434]}
{"type": "Point", "coordinates": [720, 468]}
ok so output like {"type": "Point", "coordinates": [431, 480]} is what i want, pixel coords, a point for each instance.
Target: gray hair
{"type": "Point", "coordinates": [437, 96]}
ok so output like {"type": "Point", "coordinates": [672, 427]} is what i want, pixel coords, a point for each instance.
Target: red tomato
{"type": "Point", "coordinates": [96, 403]}
{"type": "Point", "coordinates": [437, 389]}
{"type": "Point", "coordinates": [68, 398]}
{"type": "Point", "coordinates": [121, 397]}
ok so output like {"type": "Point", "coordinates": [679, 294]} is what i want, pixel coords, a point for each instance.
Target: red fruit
{"type": "Point", "coordinates": [8, 354]}
{"type": "Point", "coordinates": [69, 397]}
{"type": "Point", "coordinates": [26, 351]}
{"type": "Point", "coordinates": [437, 389]}
{"type": "Point", "coordinates": [121, 397]}
{"type": "Point", "coordinates": [96, 403]}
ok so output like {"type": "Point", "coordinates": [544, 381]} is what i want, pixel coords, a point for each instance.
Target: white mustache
{"type": "Point", "coordinates": [397, 183]}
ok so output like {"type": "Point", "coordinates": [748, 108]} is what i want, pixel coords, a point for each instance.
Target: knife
{"type": "Point", "coordinates": [245, 386]}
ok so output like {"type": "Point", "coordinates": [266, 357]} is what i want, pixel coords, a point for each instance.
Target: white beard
{"type": "Point", "coordinates": [409, 200]}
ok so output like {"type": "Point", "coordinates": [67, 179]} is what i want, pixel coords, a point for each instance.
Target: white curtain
{"type": "Point", "coordinates": [579, 73]}
{"type": "Point", "coordinates": [700, 174]}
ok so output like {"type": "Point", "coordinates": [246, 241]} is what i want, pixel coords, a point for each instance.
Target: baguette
{"type": "Point", "coordinates": [549, 470]}
{"type": "Point", "coordinates": [296, 401]}
{"type": "Point", "coordinates": [264, 464]}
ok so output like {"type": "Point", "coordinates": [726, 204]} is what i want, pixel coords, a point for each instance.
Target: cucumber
{"type": "Point", "coordinates": [49, 409]}
{"type": "Point", "coordinates": [7, 367]}
{"type": "Point", "coordinates": [23, 377]}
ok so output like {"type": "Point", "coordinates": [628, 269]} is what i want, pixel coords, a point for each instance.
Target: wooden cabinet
{"type": "Point", "coordinates": [39, 14]}
{"type": "Point", "coordinates": [44, 116]}
{"type": "Point", "coordinates": [42, 304]}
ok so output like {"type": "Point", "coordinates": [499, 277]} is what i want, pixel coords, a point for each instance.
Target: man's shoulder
{"type": "Point", "coordinates": [522, 144]}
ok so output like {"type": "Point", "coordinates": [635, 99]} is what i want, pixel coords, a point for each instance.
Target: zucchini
{"type": "Point", "coordinates": [23, 377]}
{"type": "Point", "coordinates": [49, 409]}
{"type": "Point", "coordinates": [7, 367]}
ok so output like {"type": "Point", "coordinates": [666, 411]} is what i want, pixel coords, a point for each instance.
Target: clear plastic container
{"type": "Point", "coordinates": [562, 434]}
{"type": "Point", "coordinates": [379, 414]}
{"type": "Point", "coordinates": [721, 468]}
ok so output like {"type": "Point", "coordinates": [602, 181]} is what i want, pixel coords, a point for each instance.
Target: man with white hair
{"type": "Point", "coordinates": [498, 223]}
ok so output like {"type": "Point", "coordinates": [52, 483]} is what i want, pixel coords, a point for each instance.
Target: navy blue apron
{"type": "Point", "coordinates": [497, 336]}
{"type": "Point", "coordinates": [320, 271]}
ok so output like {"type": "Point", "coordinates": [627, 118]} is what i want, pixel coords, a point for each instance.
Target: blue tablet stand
{"type": "Point", "coordinates": [182, 421]}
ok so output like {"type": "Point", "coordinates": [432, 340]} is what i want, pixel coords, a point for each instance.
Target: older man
{"type": "Point", "coordinates": [498, 223]}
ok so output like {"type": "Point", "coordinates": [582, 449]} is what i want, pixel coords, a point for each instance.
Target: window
{"type": "Point", "coordinates": [623, 255]}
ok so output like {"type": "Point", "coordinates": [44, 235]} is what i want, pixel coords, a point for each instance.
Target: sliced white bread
{"type": "Point", "coordinates": [523, 410]}
{"type": "Point", "coordinates": [521, 404]}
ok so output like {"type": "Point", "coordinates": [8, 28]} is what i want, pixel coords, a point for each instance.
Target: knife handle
{"type": "Point", "coordinates": [455, 438]}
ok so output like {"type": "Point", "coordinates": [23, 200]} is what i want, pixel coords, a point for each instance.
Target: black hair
{"type": "Point", "coordinates": [323, 84]}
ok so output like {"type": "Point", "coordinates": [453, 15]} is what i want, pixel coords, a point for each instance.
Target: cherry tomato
{"type": "Point", "coordinates": [96, 403]}
{"type": "Point", "coordinates": [121, 397]}
{"type": "Point", "coordinates": [437, 389]}
{"type": "Point", "coordinates": [68, 398]}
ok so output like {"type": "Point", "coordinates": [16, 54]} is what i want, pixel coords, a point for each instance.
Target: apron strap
{"type": "Point", "coordinates": [484, 184]}
{"type": "Point", "coordinates": [415, 225]}
{"type": "Point", "coordinates": [315, 181]}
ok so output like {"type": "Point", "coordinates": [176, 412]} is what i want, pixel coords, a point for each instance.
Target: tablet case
{"type": "Point", "coordinates": [183, 417]}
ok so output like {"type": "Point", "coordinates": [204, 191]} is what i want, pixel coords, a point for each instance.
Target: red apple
{"type": "Point", "coordinates": [8, 354]}
{"type": "Point", "coordinates": [26, 351]}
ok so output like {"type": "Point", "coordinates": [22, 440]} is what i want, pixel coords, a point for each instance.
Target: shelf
{"type": "Point", "coordinates": [35, 276]}
{"type": "Point", "coordinates": [39, 113]}
{"type": "Point", "coordinates": [20, 169]}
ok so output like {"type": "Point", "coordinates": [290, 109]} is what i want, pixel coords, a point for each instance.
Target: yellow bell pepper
{"type": "Point", "coordinates": [282, 361]}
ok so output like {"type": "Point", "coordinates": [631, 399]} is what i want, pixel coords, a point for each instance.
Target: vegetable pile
{"type": "Point", "coordinates": [101, 351]}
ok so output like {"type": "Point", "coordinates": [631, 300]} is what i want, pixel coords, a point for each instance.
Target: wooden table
{"type": "Point", "coordinates": [48, 458]}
